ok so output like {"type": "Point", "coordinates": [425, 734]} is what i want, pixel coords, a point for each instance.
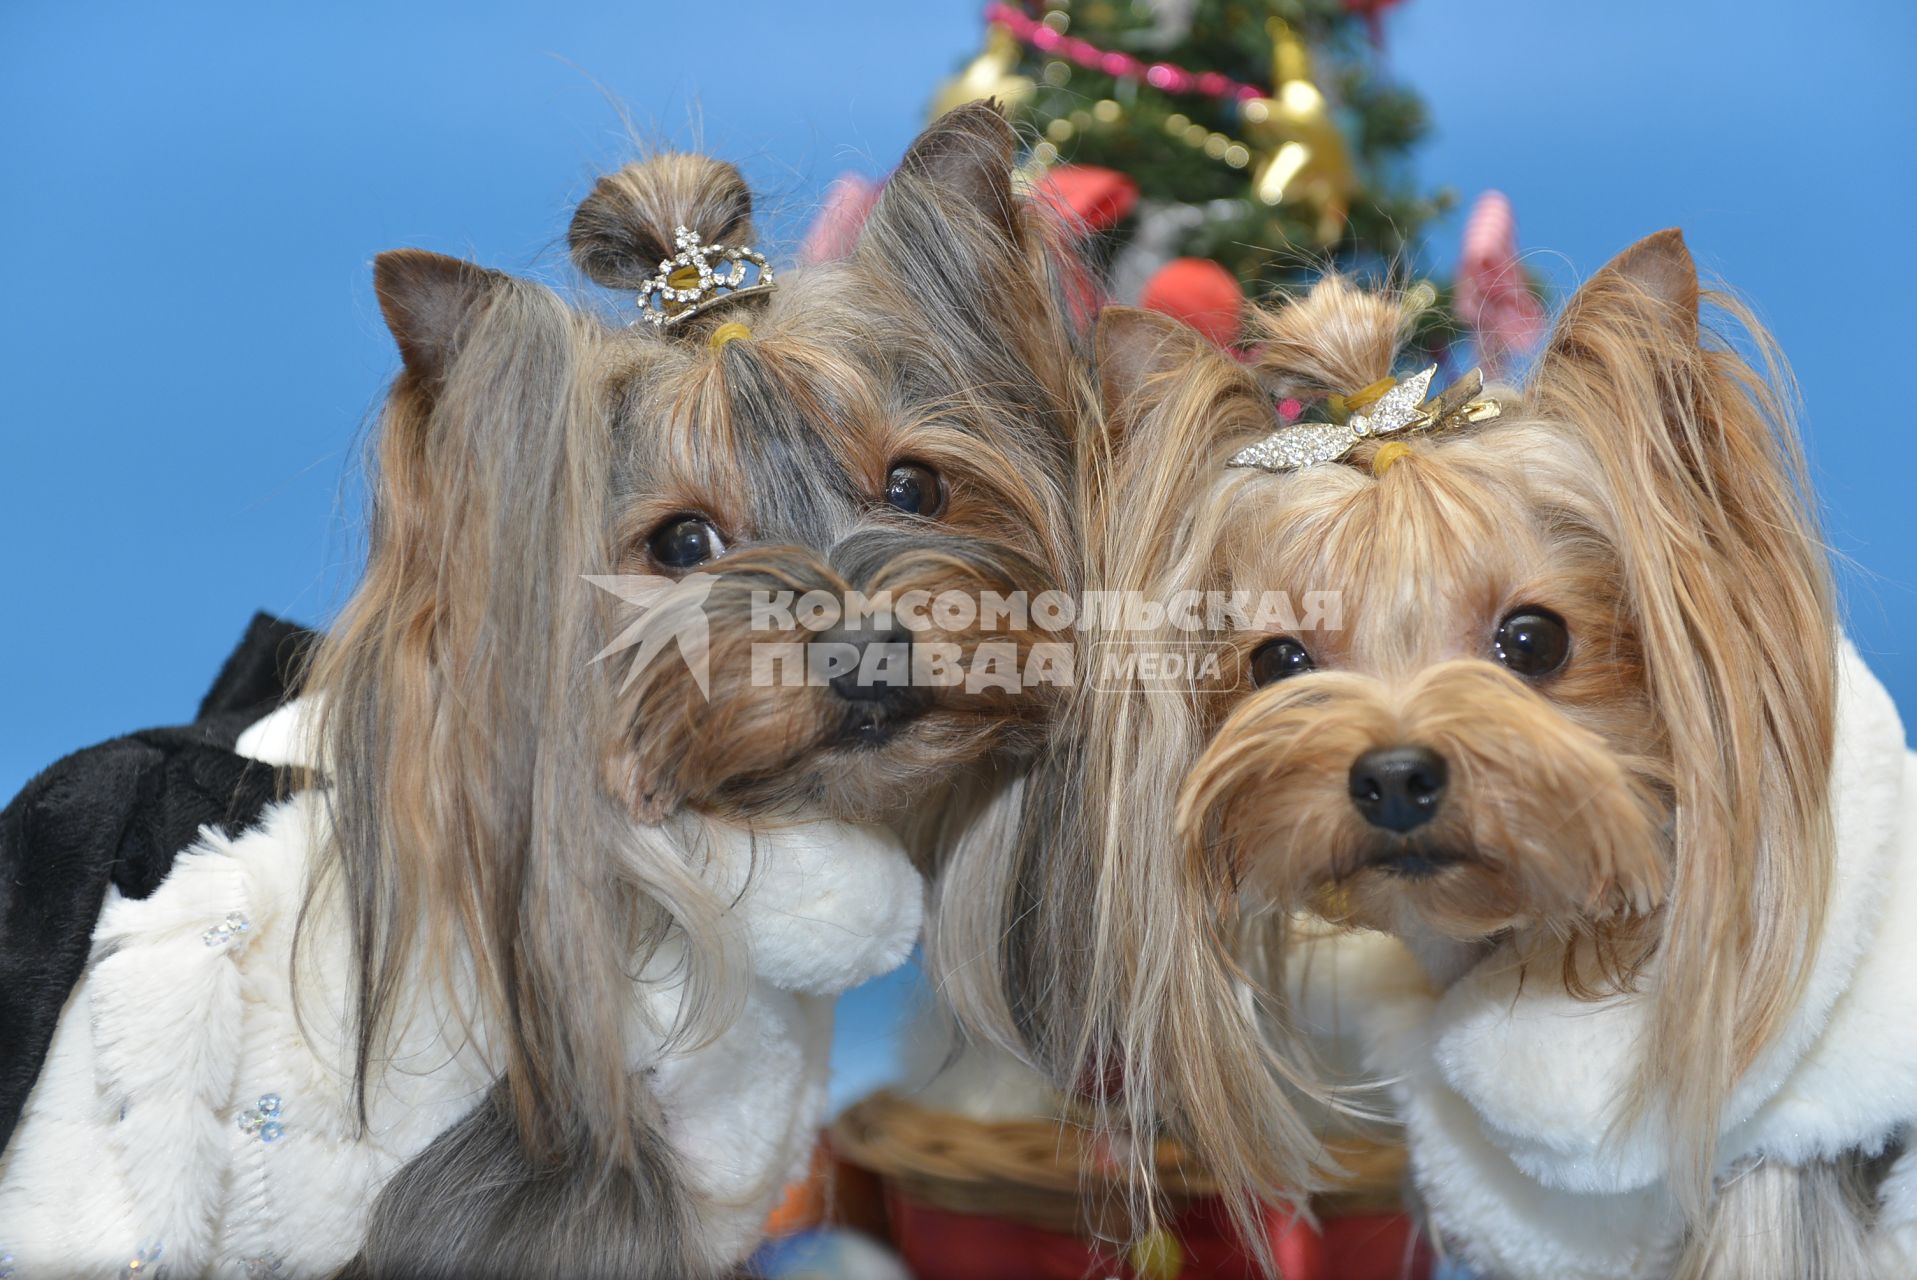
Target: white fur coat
{"type": "Point", "coordinates": [1509, 1091]}
{"type": "Point", "coordinates": [187, 1119]}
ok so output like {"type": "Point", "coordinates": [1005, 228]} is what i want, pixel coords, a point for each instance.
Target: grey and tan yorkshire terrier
{"type": "Point", "coordinates": [533, 977]}
{"type": "Point", "coordinates": [1583, 735]}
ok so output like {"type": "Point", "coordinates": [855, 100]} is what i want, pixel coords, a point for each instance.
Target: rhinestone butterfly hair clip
{"type": "Point", "coordinates": [1404, 408]}
{"type": "Point", "coordinates": [699, 277]}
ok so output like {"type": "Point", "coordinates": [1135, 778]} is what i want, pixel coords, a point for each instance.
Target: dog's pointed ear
{"type": "Point", "coordinates": [429, 301]}
{"type": "Point", "coordinates": [951, 198]}
{"type": "Point", "coordinates": [1627, 345]}
{"type": "Point", "coordinates": [974, 271]}
{"type": "Point", "coordinates": [1661, 265]}
{"type": "Point", "coordinates": [969, 153]}
{"type": "Point", "coordinates": [1137, 350]}
{"type": "Point", "coordinates": [1655, 280]}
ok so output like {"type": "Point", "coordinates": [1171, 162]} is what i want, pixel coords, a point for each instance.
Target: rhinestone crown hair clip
{"type": "Point", "coordinates": [699, 277]}
{"type": "Point", "coordinates": [1403, 408]}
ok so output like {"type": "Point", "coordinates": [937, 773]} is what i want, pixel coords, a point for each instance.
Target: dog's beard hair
{"type": "Point", "coordinates": [459, 845]}
{"type": "Point", "coordinates": [762, 737]}
{"type": "Point", "coordinates": [988, 834]}
{"type": "Point", "coordinates": [1731, 598]}
{"type": "Point", "coordinates": [1577, 845]}
{"type": "Point", "coordinates": [1773, 1221]}
{"type": "Point", "coordinates": [475, 1207]}
{"type": "Point", "coordinates": [465, 738]}
{"type": "Point", "coordinates": [1200, 1051]}
{"type": "Point", "coordinates": [1081, 947]}
{"type": "Point", "coordinates": [478, 845]}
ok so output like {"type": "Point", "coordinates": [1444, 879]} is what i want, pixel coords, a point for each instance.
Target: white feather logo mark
{"type": "Point", "coordinates": [670, 611]}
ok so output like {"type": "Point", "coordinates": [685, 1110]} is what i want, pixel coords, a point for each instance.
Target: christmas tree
{"type": "Point", "coordinates": [1264, 138]}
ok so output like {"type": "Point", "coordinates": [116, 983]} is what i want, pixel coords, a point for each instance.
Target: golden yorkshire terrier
{"type": "Point", "coordinates": [1581, 733]}
{"type": "Point", "coordinates": [521, 965]}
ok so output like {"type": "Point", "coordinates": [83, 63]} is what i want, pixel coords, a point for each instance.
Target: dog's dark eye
{"type": "Point", "coordinates": [685, 541]}
{"type": "Point", "coordinates": [1532, 642]}
{"type": "Point", "coordinates": [914, 488]}
{"type": "Point", "coordinates": [1278, 659]}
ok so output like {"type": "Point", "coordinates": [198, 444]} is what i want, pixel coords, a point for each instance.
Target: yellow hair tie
{"type": "Point", "coordinates": [726, 333]}
{"type": "Point", "coordinates": [1369, 396]}
{"type": "Point", "coordinates": [1388, 453]}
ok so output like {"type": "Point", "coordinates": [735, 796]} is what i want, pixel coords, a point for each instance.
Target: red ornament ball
{"type": "Point", "coordinates": [1202, 294]}
{"type": "Point", "coordinates": [1098, 198]}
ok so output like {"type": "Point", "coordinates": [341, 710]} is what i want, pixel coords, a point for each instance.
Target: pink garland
{"type": "Point", "coordinates": [1159, 75]}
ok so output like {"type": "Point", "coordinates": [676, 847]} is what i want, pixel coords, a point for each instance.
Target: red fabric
{"type": "Point", "coordinates": [940, 1245]}
{"type": "Point", "coordinates": [856, 1197]}
{"type": "Point", "coordinates": [1099, 198]}
{"type": "Point", "coordinates": [1202, 294]}
{"type": "Point", "coordinates": [1375, 1246]}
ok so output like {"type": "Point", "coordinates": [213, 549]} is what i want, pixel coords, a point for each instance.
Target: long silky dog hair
{"type": "Point", "coordinates": [1664, 795]}
{"type": "Point", "coordinates": [493, 792]}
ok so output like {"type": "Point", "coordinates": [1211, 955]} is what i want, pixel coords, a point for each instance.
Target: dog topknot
{"type": "Point", "coordinates": [1335, 339]}
{"type": "Point", "coordinates": [625, 228]}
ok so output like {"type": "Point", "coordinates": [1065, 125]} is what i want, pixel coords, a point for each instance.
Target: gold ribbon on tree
{"type": "Point", "coordinates": [1302, 156]}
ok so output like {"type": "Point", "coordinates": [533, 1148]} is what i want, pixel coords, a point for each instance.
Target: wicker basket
{"type": "Point", "coordinates": [1048, 1175]}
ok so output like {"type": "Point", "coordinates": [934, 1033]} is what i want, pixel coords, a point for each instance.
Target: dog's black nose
{"type": "Point", "coordinates": [1398, 788]}
{"type": "Point", "coordinates": [866, 665]}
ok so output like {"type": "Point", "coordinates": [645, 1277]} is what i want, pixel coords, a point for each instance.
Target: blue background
{"type": "Point", "coordinates": [191, 195]}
